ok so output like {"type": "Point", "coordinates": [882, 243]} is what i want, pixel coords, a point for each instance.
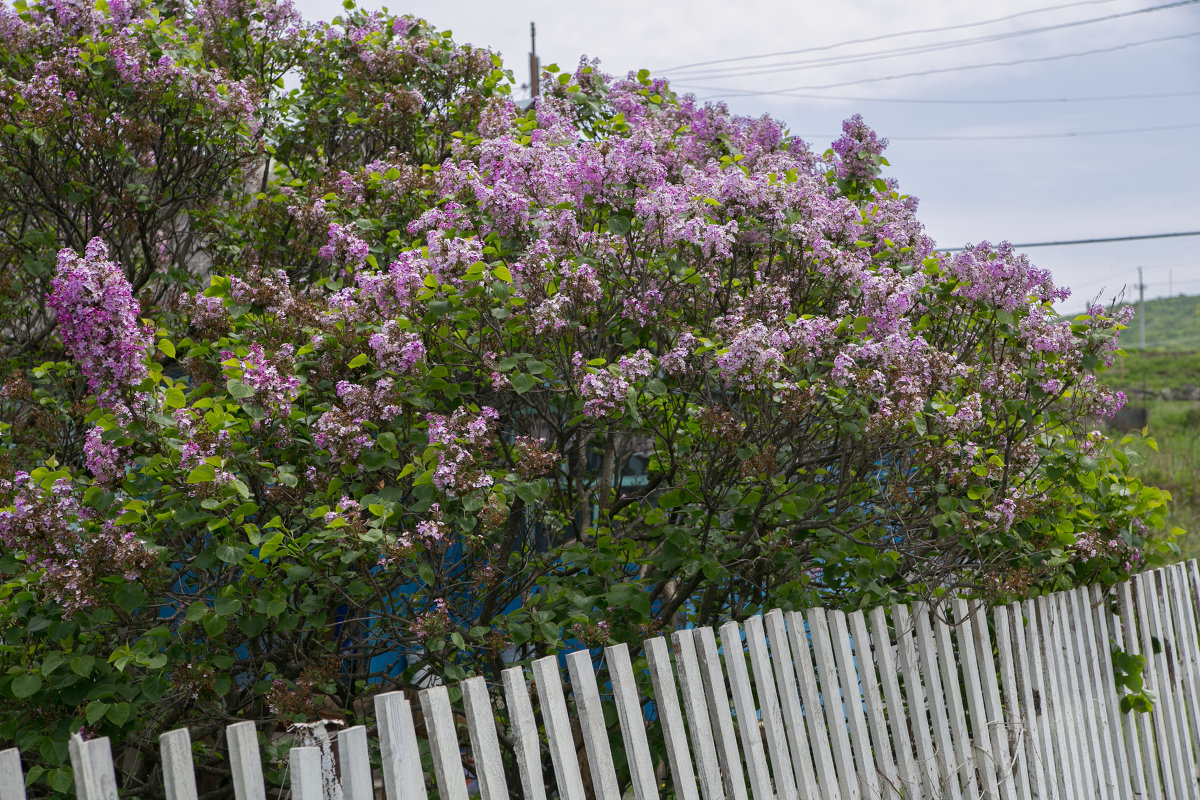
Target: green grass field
{"type": "Point", "coordinates": [1171, 361]}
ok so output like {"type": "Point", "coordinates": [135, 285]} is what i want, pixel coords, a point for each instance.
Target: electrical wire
{"type": "Point", "coordinates": [996, 101]}
{"type": "Point", "coordinates": [882, 37]}
{"type": "Point", "coordinates": [732, 92]}
{"type": "Point", "coordinates": [1017, 136]}
{"type": "Point", "coordinates": [917, 49]}
{"type": "Point", "coordinates": [1101, 240]}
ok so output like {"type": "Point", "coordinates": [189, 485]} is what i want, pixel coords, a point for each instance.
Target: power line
{"type": "Point", "coordinates": [869, 39]}
{"type": "Point", "coordinates": [997, 101]}
{"type": "Point", "coordinates": [727, 91]}
{"type": "Point", "coordinates": [1102, 240]}
{"type": "Point", "coordinates": [1005, 137]}
{"type": "Point", "coordinates": [918, 49]}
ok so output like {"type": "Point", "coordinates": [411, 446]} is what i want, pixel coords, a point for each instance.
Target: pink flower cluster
{"type": "Point", "coordinates": [605, 391]}
{"type": "Point", "coordinates": [463, 441]}
{"type": "Point", "coordinates": [396, 349]}
{"type": "Point", "coordinates": [52, 531]}
{"type": "Point", "coordinates": [275, 388]}
{"type": "Point", "coordinates": [98, 322]}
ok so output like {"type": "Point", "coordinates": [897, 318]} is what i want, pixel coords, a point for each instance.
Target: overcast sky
{"type": "Point", "coordinates": [1003, 170]}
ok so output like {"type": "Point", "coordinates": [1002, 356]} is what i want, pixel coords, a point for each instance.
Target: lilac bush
{"type": "Point", "coordinates": [481, 385]}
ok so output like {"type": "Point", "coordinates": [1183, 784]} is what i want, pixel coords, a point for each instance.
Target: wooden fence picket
{"type": "Point", "coordinates": [591, 721]}
{"type": "Point", "coordinates": [788, 692]}
{"type": "Point", "coordinates": [719, 713]}
{"type": "Point", "coordinates": [179, 777]}
{"type": "Point", "coordinates": [670, 719]}
{"type": "Point", "coordinates": [354, 761]}
{"type": "Point", "coordinates": [984, 757]}
{"type": "Point", "coordinates": [810, 694]}
{"type": "Point", "coordinates": [485, 745]}
{"type": "Point", "coordinates": [632, 721]}
{"type": "Point", "coordinates": [695, 709]}
{"type": "Point", "coordinates": [548, 679]}
{"type": "Point", "coordinates": [852, 706]}
{"type": "Point", "coordinates": [747, 716]}
{"type": "Point", "coordinates": [770, 714]}
{"type": "Point", "coordinates": [12, 779]}
{"type": "Point", "coordinates": [526, 747]}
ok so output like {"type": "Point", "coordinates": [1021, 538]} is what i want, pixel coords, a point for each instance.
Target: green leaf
{"type": "Point", "coordinates": [119, 713]}
{"type": "Point", "coordinates": [214, 625]}
{"type": "Point", "coordinates": [26, 686]}
{"type": "Point", "coordinates": [166, 347]}
{"type": "Point", "coordinates": [522, 382]}
{"type": "Point", "coordinates": [251, 624]}
{"type": "Point", "coordinates": [618, 224]}
{"type": "Point", "coordinates": [204, 473]}
{"type": "Point", "coordinates": [82, 665]}
{"type": "Point", "coordinates": [501, 272]}
{"type": "Point", "coordinates": [238, 389]}
{"type": "Point", "coordinates": [175, 398]}
{"type": "Point", "coordinates": [95, 711]}
{"type": "Point", "coordinates": [357, 361]}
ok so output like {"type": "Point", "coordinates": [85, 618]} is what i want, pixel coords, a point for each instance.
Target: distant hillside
{"type": "Point", "coordinates": [1171, 359]}
{"type": "Point", "coordinates": [1172, 324]}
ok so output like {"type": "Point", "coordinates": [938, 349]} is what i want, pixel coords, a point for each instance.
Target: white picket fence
{"type": "Point", "coordinates": [899, 703]}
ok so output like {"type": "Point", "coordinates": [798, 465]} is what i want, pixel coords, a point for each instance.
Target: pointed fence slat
{"type": "Point", "coordinates": [354, 762]}
{"type": "Point", "coordinates": [1087, 662]}
{"type": "Point", "coordinates": [245, 764]}
{"type": "Point", "coordinates": [548, 679]}
{"type": "Point", "coordinates": [747, 716]}
{"type": "Point", "coordinates": [666, 698]}
{"type": "Point", "coordinates": [403, 777]}
{"type": "Point", "coordinates": [834, 703]}
{"type": "Point", "coordinates": [1189, 648]}
{"type": "Point", "coordinates": [1015, 730]}
{"type": "Point", "coordinates": [789, 698]}
{"type": "Point", "coordinates": [12, 780]}
{"type": "Point", "coordinates": [881, 643]}
{"type": "Point", "coordinates": [633, 722]}
{"type": "Point", "coordinates": [968, 655]}
{"type": "Point", "coordinates": [1106, 687]}
{"type": "Point", "coordinates": [1012, 702]}
{"type": "Point", "coordinates": [591, 721]}
{"type": "Point", "coordinates": [179, 777]}
{"type": "Point", "coordinates": [1165, 733]}
{"type": "Point", "coordinates": [771, 715]}
{"type": "Point", "coordinates": [719, 713]}
{"type": "Point", "coordinates": [818, 731]}
{"type": "Point", "coordinates": [524, 733]}
{"type": "Point", "coordinates": [935, 694]}
{"type": "Point", "coordinates": [964, 755]}
{"type": "Point", "coordinates": [696, 710]}
{"type": "Point", "coordinates": [443, 743]}
{"type": "Point", "coordinates": [1146, 748]}
{"type": "Point", "coordinates": [485, 746]}
{"type": "Point", "coordinates": [1171, 653]}
{"type": "Point", "coordinates": [852, 695]}
{"type": "Point", "coordinates": [92, 763]}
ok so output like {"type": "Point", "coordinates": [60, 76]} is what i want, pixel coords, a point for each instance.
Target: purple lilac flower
{"type": "Point", "coordinates": [98, 322]}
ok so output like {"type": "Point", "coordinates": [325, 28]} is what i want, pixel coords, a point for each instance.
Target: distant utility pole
{"type": "Point", "coordinates": [1141, 311]}
{"type": "Point", "coordinates": [535, 66]}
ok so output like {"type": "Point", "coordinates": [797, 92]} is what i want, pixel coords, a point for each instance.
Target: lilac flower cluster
{"type": "Point", "coordinates": [605, 391]}
{"type": "Point", "coordinates": [275, 388]}
{"type": "Point", "coordinates": [859, 150]}
{"type": "Point", "coordinates": [52, 531]}
{"type": "Point", "coordinates": [463, 441]}
{"type": "Point", "coordinates": [106, 461]}
{"type": "Point", "coordinates": [98, 322]}
{"type": "Point", "coordinates": [341, 430]}
{"type": "Point", "coordinates": [396, 349]}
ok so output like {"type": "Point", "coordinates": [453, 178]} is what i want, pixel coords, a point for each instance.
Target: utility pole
{"type": "Point", "coordinates": [1141, 311]}
{"type": "Point", "coordinates": [535, 66]}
